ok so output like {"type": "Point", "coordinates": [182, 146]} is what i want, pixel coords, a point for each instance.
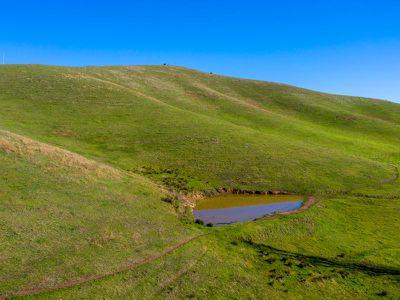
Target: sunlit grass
{"type": "Point", "coordinates": [81, 189]}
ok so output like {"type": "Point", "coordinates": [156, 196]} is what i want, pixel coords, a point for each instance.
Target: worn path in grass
{"type": "Point", "coordinates": [249, 135]}
{"type": "Point", "coordinates": [75, 282]}
{"type": "Point", "coordinates": [79, 281]}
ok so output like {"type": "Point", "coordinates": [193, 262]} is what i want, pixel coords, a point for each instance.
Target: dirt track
{"type": "Point", "coordinates": [79, 281]}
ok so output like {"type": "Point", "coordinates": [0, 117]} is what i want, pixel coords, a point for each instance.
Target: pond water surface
{"type": "Point", "coordinates": [235, 208]}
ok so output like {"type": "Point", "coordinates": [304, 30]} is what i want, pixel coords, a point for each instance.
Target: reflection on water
{"type": "Point", "coordinates": [233, 208]}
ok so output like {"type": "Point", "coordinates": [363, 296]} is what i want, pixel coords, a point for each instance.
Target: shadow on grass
{"type": "Point", "coordinates": [310, 260]}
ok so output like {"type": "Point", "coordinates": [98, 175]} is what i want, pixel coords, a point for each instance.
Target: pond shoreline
{"type": "Point", "coordinates": [306, 205]}
{"type": "Point", "coordinates": [229, 208]}
{"type": "Point", "coordinates": [191, 198]}
{"type": "Point", "coordinates": [255, 192]}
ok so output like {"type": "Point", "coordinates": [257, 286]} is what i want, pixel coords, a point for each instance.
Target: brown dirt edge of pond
{"type": "Point", "coordinates": [191, 198]}
{"type": "Point", "coordinates": [306, 205]}
{"type": "Point", "coordinates": [250, 192]}
{"type": "Point", "coordinates": [80, 281]}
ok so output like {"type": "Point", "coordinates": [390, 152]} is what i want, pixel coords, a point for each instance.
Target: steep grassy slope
{"type": "Point", "coordinates": [63, 216]}
{"type": "Point", "coordinates": [195, 125]}
{"type": "Point", "coordinates": [82, 151]}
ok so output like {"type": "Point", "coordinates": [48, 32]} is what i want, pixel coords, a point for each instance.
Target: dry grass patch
{"type": "Point", "coordinates": [26, 147]}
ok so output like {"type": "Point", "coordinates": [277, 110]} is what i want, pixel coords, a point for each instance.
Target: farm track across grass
{"type": "Point", "coordinates": [88, 154]}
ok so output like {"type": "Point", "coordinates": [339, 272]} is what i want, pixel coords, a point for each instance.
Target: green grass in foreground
{"type": "Point", "coordinates": [312, 255]}
{"type": "Point", "coordinates": [65, 216]}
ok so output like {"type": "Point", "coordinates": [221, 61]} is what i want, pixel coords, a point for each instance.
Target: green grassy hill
{"type": "Point", "coordinates": [87, 154]}
{"type": "Point", "coordinates": [196, 124]}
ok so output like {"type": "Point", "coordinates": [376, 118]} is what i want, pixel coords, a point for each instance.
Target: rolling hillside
{"type": "Point", "coordinates": [88, 154]}
{"type": "Point", "coordinates": [195, 125]}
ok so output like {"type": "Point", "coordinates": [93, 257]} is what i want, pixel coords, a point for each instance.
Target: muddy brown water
{"type": "Point", "coordinates": [235, 208]}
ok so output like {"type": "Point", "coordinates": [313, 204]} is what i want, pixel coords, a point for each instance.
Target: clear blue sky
{"type": "Point", "coordinates": [345, 47]}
